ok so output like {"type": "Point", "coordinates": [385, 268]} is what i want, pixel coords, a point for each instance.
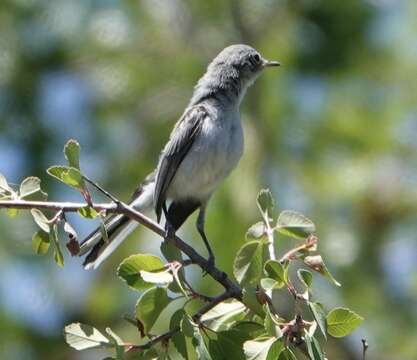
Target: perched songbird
{"type": "Point", "coordinates": [204, 147]}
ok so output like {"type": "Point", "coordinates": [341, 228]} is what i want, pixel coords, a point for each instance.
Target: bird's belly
{"type": "Point", "coordinates": [211, 158]}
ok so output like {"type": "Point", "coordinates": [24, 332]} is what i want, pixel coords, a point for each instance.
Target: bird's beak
{"type": "Point", "coordinates": [268, 63]}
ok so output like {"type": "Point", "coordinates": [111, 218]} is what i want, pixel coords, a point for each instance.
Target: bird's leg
{"type": "Point", "coordinates": [200, 227]}
{"type": "Point", "coordinates": [169, 228]}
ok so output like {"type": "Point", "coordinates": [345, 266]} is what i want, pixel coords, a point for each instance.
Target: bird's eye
{"type": "Point", "coordinates": [257, 58]}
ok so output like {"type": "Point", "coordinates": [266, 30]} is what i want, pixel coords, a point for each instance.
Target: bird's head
{"type": "Point", "coordinates": [242, 61]}
{"type": "Point", "coordinates": [231, 72]}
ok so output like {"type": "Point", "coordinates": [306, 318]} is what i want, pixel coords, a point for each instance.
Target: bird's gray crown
{"type": "Point", "coordinates": [229, 75]}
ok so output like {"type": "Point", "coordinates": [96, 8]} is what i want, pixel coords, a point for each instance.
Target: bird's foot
{"type": "Point", "coordinates": [169, 231]}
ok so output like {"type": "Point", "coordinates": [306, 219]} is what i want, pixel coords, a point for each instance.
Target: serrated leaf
{"type": "Point", "coordinates": [130, 268]}
{"type": "Point", "coordinates": [150, 306]}
{"type": "Point", "coordinates": [294, 224]}
{"type": "Point", "coordinates": [40, 219]}
{"type": "Point", "coordinates": [276, 271]}
{"type": "Point", "coordinates": [320, 316]}
{"type": "Point", "coordinates": [313, 348]}
{"type": "Point", "coordinates": [306, 277]}
{"type": "Point", "coordinates": [81, 337]}
{"type": "Point", "coordinates": [68, 175]}
{"type": "Point", "coordinates": [41, 242]}
{"type": "Point", "coordinates": [341, 322]}
{"type": "Point", "coordinates": [256, 231]}
{"type": "Point", "coordinates": [88, 212]}
{"type": "Point", "coordinates": [258, 349]}
{"type": "Point", "coordinates": [247, 267]}
{"type": "Point", "coordinates": [265, 202]}
{"type": "Point", "coordinates": [29, 186]}
{"type": "Point", "coordinates": [316, 263]}
{"type": "Point", "coordinates": [72, 153]}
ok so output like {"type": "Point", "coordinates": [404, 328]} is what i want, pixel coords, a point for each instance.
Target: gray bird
{"type": "Point", "coordinates": [204, 147]}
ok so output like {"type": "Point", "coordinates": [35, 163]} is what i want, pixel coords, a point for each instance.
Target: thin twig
{"type": "Point", "coordinates": [196, 317]}
{"type": "Point", "coordinates": [99, 188]}
{"type": "Point", "coordinates": [129, 211]}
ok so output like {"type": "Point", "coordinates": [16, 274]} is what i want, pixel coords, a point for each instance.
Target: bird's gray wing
{"type": "Point", "coordinates": [182, 138]}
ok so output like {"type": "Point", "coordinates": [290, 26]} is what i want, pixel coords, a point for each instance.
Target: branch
{"type": "Point", "coordinates": [196, 317]}
{"type": "Point", "coordinates": [122, 208]}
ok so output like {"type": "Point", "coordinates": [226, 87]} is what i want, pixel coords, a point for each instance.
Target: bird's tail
{"type": "Point", "coordinates": [118, 228]}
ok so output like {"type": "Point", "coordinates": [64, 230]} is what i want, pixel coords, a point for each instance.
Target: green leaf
{"type": "Point", "coordinates": [258, 349]}
{"type": "Point", "coordinates": [150, 306]}
{"type": "Point", "coordinates": [190, 329]}
{"type": "Point", "coordinates": [313, 348]}
{"type": "Point", "coordinates": [251, 300]}
{"type": "Point", "coordinates": [269, 284]}
{"type": "Point", "coordinates": [276, 271]}
{"type": "Point", "coordinates": [118, 343]}
{"type": "Point", "coordinates": [130, 270]}
{"type": "Point", "coordinates": [201, 347]}
{"type": "Point", "coordinates": [275, 350]}
{"type": "Point", "coordinates": [316, 263]}
{"type": "Point", "coordinates": [251, 328]}
{"type": "Point", "coordinates": [265, 201]}
{"type": "Point", "coordinates": [306, 277]}
{"type": "Point", "coordinates": [53, 235]}
{"type": "Point", "coordinates": [287, 354]}
{"type": "Point", "coordinates": [320, 316]}
{"type": "Point", "coordinates": [40, 242]}
{"type": "Point", "coordinates": [182, 344]}
{"type": "Point", "coordinates": [228, 345]}
{"type": "Point", "coordinates": [341, 322]}
{"type": "Point", "coordinates": [294, 224]}
{"type": "Point", "coordinates": [29, 186]}
{"type": "Point", "coordinates": [40, 219]}
{"type": "Point", "coordinates": [88, 212]}
{"type": "Point", "coordinates": [247, 266]}
{"type": "Point", "coordinates": [4, 186]}
{"type": "Point", "coordinates": [72, 153]}
{"type": "Point", "coordinates": [158, 277]}
{"type": "Point", "coordinates": [81, 337]}
{"type": "Point", "coordinates": [256, 231]}
{"type": "Point", "coordinates": [187, 326]}
{"type": "Point", "coordinates": [12, 213]}
{"type": "Point", "coordinates": [224, 315]}
{"type": "Point", "coordinates": [68, 175]}
{"type": "Point", "coordinates": [270, 324]}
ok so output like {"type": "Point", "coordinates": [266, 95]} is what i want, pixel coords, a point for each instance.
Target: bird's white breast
{"type": "Point", "coordinates": [214, 154]}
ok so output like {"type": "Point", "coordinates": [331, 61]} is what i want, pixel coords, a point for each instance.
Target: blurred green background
{"type": "Point", "coordinates": [332, 133]}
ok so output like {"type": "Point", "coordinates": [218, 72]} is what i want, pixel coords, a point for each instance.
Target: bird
{"type": "Point", "coordinates": [205, 145]}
